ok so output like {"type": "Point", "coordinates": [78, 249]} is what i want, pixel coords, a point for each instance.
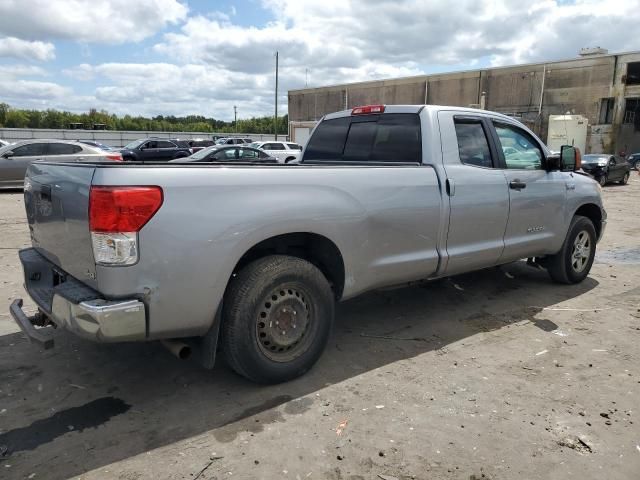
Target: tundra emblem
{"type": "Point", "coordinates": [535, 229]}
{"type": "Point", "coordinates": [91, 274]}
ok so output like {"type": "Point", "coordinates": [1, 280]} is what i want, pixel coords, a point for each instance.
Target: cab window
{"type": "Point", "coordinates": [520, 150]}
{"type": "Point", "coordinates": [473, 146]}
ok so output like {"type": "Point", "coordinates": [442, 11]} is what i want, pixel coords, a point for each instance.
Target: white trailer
{"type": "Point", "coordinates": [567, 130]}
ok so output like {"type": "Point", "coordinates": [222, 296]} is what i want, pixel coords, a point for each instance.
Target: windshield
{"type": "Point", "coordinates": [220, 141]}
{"type": "Point", "coordinates": [6, 148]}
{"type": "Point", "coordinates": [594, 158]}
{"type": "Point", "coordinates": [255, 144]}
{"type": "Point", "coordinates": [200, 154]}
{"type": "Point", "coordinates": [134, 144]}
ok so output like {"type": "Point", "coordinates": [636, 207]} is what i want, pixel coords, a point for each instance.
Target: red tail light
{"type": "Point", "coordinates": [116, 157]}
{"type": "Point", "coordinates": [368, 110]}
{"type": "Point", "coordinates": [122, 209]}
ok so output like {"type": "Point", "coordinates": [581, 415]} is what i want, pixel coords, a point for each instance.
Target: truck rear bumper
{"type": "Point", "coordinates": [71, 305]}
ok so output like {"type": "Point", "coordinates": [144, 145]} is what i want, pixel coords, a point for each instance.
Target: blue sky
{"type": "Point", "coordinates": [184, 57]}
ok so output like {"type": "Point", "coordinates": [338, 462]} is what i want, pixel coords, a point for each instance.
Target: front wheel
{"type": "Point", "coordinates": [625, 179]}
{"type": "Point", "coordinates": [574, 260]}
{"type": "Point", "coordinates": [277, 318]}
{"type": "Point", "coordinates": [602, 180]}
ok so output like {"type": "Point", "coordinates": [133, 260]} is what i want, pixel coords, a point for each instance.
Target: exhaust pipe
{"type": "Point", "coordinates": [179, 349]}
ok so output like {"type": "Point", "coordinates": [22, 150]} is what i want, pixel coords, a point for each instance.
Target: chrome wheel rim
{"type": "Point", "coordinates": [603, 181]}
{"type": "Point", "coordinates": [581, 251]}
{"type": "Point", "coordinates": [283, 323]}
{"type": "Point", "coordinates": [626, 178]}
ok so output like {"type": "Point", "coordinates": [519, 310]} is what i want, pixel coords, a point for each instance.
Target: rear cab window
{"type": "Point", "coordinates": [391, 137]}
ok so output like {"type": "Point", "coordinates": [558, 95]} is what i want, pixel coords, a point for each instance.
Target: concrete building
{"type": "Point", "coordinates": [604, 88]}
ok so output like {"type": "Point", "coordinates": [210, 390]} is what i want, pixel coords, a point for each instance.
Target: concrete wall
{"type": "Point", "coordinates": [112, 138]}
{"type": "Point", "coordinates": [573, 86]}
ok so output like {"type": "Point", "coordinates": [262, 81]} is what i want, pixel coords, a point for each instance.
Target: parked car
{"type": "Point", "coordinates": [233, 141]}
{"type": "Point", "coordinates": [99, 145]}
{"type": "Point", "coordinates": [634, 160]}
{"type": "Point", "coordinates": [199, 144]}
{"type": "Point", "coordinates": [155, 149]}
{"type": "Point", "coordinates": [255, 256]}
{"type": "Point", "coordinates": [229, 153]}
{"type": "Point", "coordinates": [285, 152]}
{"type": "Point", "coordinates": [607, 168]}
{"type": "Point", "coordinates": [16, 158]}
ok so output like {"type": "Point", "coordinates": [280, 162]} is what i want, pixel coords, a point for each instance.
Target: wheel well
{"type": "Point", "coordinates": [593, 213]}
{"type": "Point", "coordinates": [319, 250]}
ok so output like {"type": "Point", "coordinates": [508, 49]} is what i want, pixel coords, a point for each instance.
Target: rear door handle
{"type": "Point", "coordinates": [517, 184]}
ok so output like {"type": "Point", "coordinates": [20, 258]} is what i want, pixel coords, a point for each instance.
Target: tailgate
{"type": "Point", "coordinates": [57, 203]}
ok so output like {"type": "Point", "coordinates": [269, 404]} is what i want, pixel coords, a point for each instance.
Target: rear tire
{"type": "Point", "coordinates": [574, 260]}
{"type": "Point", "coordinates": [277, 318]}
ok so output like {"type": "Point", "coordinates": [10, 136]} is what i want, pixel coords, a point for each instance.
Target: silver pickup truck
{"type": "Point", "coordinates": [250, 259]}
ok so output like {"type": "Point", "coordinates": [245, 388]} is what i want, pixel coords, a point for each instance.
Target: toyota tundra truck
{"type": "Point", "coordinates": [248, 260]}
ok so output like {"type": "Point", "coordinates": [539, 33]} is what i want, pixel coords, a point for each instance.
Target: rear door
{"type": "Point", "coordinates": [477, 191]}
{"type": "Point", "coordinates": [57, 206]}
{"type": "Point", "coordinates": [166, 150]}
{"type": "Point", "coordinates": [537, 198]}
{"type": "Point", "coordinates": [13, 168]}
{"type": "Point", "coordinates": [276, 149]}
{"type": "Point", "coordinates": [64, 152]}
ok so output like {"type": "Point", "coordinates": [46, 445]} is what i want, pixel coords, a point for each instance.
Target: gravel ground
{"type": "Point", "coordinates": [499, 374]}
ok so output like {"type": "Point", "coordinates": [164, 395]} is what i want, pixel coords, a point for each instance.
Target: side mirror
{"type": "Point", "coordinates": [570, 159]}
{"type": "Point", "coordinates": [8, 154]}
{"type": "Point", "coordinates": [553, 162]}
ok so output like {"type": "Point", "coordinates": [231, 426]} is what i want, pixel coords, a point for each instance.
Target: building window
{"type": "Point", "coordinates": [633, 73]}
{"type": "Point", "coordinates": [606, 110]}
{"type": "Point", "coordinates": [632, 111]}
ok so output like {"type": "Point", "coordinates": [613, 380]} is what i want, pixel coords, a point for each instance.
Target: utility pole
{"type": "Point", "coordinates": [306, 77]}
{"type": "Point", "coordinates": [235, 117]}
{"type": "Point", "coordinates": [275, 120]}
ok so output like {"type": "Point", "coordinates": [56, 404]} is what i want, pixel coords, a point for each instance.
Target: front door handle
{"type": "Point", "coordinates": [517, 184]}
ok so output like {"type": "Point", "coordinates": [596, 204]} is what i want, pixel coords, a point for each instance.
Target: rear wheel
{"type": "Point", "coordinates": [574, 260]}
{"type": "Point", "coordinates": [277, 319]}
{"type": "Point", "coordinates": [290, 159]}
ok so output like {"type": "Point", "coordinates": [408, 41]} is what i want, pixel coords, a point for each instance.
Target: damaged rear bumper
{"type": "Point", "coordinates": [70, 304]}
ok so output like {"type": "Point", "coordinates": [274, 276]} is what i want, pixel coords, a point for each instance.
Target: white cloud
{"type": "Point", "coordinates": [213, 62]}
{"type": "Point", "coordinates": [29, 91]}
{"type": "Point", "coordinates": [91, 21]}
{"type": "Point", "coordinates": [18, 71]}
{"type": "Point", "coordinates": [17, 48]}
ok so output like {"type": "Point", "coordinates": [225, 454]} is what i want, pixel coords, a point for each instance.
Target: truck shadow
{"type": "Point", "coordinates": [81, 406]}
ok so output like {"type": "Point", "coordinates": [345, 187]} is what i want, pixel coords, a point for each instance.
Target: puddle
{"type": "Point", "coordinates": [89, 415]}
{"type": "Point", "coordinates": [626, 256]}
{"type": "Point", "coordinates": [546, 325]}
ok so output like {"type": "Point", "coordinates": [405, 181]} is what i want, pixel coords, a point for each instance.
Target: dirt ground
{"type": "Point", "coordinates": [499, 374]}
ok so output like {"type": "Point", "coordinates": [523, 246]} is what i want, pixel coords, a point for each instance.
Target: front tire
{"type": "Point", "coordinates": [277, 318]}
{"type": "Point", "coordinates": [602, 180]}
{"type": "Point", "coordinates": [625, 179]}
{"type": "Point", "coordinates": [573, 262]}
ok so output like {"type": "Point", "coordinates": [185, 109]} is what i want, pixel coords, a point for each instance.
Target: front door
{"type": "Point", "coordinates": [477, 192]}
{"type": "Point", "coordinates": [14, 167]}
{"type": "Point", "coordinates": [617, 168]}
{"type": "Point", "coordinates": [537, 198]}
